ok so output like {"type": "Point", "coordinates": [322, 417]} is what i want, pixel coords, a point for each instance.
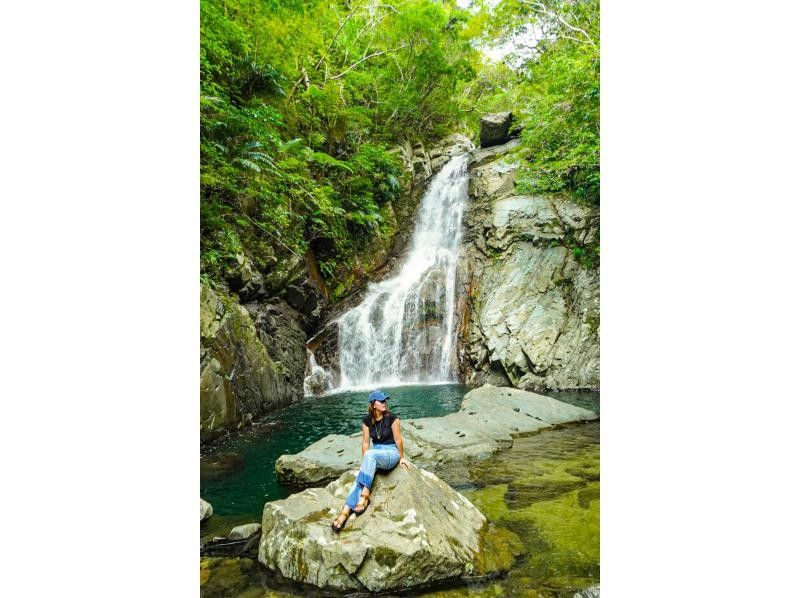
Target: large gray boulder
{"type": "Point", "coordinates": [489, 419]}
{"type": "Point", "coordinates": [320, 462]}
{"type": "Point", "coordinates": [417, 530]}
{"type": "Point", "coordinates": [494, 128]}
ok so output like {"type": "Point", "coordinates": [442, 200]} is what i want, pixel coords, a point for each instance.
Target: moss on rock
{"type": "Point", "coordinates": [499, 548]}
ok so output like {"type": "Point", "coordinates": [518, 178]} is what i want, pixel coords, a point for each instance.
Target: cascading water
{"type": "Point", "coordinates": [403, 330]}
{"type": "Point", "coordinates": [319, 380]}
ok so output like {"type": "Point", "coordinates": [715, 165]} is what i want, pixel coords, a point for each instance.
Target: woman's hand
{"type": "Point", "coordinates": [404, 463]}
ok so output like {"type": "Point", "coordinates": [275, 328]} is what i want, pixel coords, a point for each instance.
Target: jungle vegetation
{"type": "Point", "coordinates": [302, 101]}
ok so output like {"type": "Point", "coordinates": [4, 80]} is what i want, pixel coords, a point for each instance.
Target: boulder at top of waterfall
{"type": "Point", "coordinates": [494, 128]}
{"type": "Point", "coordinates": [417, 531]}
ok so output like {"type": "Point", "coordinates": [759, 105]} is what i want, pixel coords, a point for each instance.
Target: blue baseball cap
{"type": "Point", "coordinates": [377, 395]}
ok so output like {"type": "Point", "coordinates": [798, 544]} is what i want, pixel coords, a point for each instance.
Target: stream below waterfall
{"type": "Point", "coordinates": [545, 488]}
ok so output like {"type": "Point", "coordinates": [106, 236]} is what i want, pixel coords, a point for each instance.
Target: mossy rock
{"type": "Point", "coordinates": [499, 549]}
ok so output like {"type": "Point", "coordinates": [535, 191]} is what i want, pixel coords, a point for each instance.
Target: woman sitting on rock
{"type": "Point", "coordinates": [383, 427]}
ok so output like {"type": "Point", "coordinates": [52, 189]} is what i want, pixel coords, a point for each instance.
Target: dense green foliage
{"type": "Point", "coordinates": [301, 102]}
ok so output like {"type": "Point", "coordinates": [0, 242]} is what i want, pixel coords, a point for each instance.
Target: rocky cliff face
{"type": "Point", "coordinates": [529, 310]}
{"type": "Point", "coordinates": [244, 370]}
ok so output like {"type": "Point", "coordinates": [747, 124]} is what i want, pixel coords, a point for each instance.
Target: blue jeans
{"type": "Point", "coordinates": [382, 456]}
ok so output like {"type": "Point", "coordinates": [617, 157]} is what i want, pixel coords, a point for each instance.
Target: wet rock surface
{"type": "Point", "coordinates": [242, 532]}
{"type": "Point", "coordinates": [489, 419]}
{"type": "Point", "coordinates": [416, 531]}
{"type": "Point", "coordinates": [280, 329]}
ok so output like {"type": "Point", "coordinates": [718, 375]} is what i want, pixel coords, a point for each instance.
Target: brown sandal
{"type": "Point", "coordinates": [337, 528]}
{"type": "Point", "coordinates": [366, 504]}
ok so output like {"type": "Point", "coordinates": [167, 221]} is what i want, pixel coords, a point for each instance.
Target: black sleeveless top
{"type": "Point", "coordinates": [380, 432]}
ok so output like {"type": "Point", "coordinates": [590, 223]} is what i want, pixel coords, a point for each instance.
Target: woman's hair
{"type": "Point", "coordinates": [371, 411]}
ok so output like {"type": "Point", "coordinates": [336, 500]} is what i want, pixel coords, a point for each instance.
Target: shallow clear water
{"type": "Point", "coordinates": [545, 489]}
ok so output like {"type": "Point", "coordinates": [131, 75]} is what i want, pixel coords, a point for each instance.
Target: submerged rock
{"type": "Point", "coordinates": [221, 465]}
{"type": "Point", "coordinates": [229, 577]}
{"type": "Point", "coordinates": [494, 128]}
{"type": "Point", "coordinates": [206, 510]}
{"type": "Point", "coordinates": [417, 531]}
{"type": "Point", "coordinates": [489, 419]}
{"type": "Point", "coordinates": [242, 532]}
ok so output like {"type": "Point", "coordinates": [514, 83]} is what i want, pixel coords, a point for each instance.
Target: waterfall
{"type": "Point", "coordinates": [403, 330]}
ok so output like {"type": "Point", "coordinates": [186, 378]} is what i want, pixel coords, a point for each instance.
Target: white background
{"type": "Point", "coordinates": [99, 235]}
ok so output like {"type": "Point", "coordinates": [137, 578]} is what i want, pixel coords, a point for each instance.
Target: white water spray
{"type": "Point", "coordinates": [319, 380]}
{"type": "Point", "coordinates": [403, 331]}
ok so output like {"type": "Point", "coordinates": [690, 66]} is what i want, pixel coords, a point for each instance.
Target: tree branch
{"type": "Point", "coordinates": [335, 35]}
{"type": "Point", "coordinates": [540, 8]}
{"type": "Point", "coordinates": [373, 55]}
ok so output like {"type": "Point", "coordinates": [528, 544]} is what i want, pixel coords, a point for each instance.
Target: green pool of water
{"type": "Point", "coordinates": [237, 475]}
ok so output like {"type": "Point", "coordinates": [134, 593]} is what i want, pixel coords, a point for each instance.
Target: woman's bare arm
{"type": "Point", "coordinates": [364, 439]}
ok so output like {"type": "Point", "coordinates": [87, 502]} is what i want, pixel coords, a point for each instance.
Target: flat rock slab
{"type": "Point", "coordinates": [416, 531]}
{"type": "Point", "coordinates": [489, 419]}
{"type": "Point", "coordinates": [529, 408]}
{"type": "Point", "coordinates": [320, 462]}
